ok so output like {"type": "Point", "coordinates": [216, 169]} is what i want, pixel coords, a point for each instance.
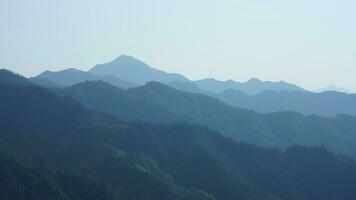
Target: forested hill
{"type": "Point", "coordinates": [142, 161]}
{"type": "Point", "coordinates": [157, 103]}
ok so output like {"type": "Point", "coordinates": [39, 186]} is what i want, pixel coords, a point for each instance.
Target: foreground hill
{"type": "Point", "coordinates": [325, 104]}
{"type": "Point", "coordinates": [42, 126]}
{"type": "Point", "coordinates": [157, 103]}
{"type": "Point", "coordinates": [143, 161]}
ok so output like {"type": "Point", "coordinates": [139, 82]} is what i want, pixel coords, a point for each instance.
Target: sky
{"type": "Point", "coordinates": [311, 43]}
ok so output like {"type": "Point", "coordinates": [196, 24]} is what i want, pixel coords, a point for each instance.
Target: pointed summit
{"type": "Point", "coordinates": [254, 80]}
{"type": "Point", "coordinates": [126, 58]}
{"type": "Point", "coordinates": [123, 56]}
{"type": "Point", "coordinates": [133, 70]}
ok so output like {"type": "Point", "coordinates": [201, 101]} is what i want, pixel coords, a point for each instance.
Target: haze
{"type": "Point", "coordinates": [310, 43]}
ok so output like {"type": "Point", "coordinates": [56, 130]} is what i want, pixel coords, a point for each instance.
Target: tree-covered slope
{"type": "Point", "coordinates": [167, 161]}
{"type": "Point", "coordinates": [24, 178]}
{"type": "Point", "coordinates": [158, 103]}
{"type": "Point", "coordinates": [60, 130]}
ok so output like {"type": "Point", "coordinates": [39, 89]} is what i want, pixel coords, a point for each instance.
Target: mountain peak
{"type": "Point", "coordinates": [125, 59]}
{"type": "Point", "coordinates": [334, 88]}
{"type": "Point", "coordinates": [133, 70]}
{"type": "Point", "coordinates": [254, 80]}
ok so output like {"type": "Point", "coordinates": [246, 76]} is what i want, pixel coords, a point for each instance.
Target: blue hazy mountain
{"type": "Point", "coordinates": [135, 71]}
{"type": "Point", "coordinates": [334, 88]}
{"type": "Point", "coordinates": [325, 103]}
{"type": "Point", "coordinates": [188, 87]}
{"type": "Point", "coordinates": [10, 77]}
{"type": "Point", "coordinates": [45, 82]}
{"type": "Point", "coordinates": [73, 76]}
{"type": "Point", "coordinates": [158, 103]}
{"type": "Point", "coordinates": [126, 71]}
{"type": "Point", "coordinates": [53, 148]}
{"type": "Point", "coordinates": [252, 86]}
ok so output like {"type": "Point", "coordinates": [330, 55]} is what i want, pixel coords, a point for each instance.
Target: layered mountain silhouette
{"type": "Point", "coordinates": [126, 71]}
{"type": "Point", "coordinates": [72, 76]}
{"type": "Point", "coordinates": [252, 86]}
{"type": "Point", "coordinates": [158, 103]}
{"type": "Point", "coordinates": [325, 103]}
{"type": "Point", "coordinates": [133, 70]}
{"type": "Point", "coordinates": [122, 160]}
{"type": "Point", "coordinates": [261, 96]}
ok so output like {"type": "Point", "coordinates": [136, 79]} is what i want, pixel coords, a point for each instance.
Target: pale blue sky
{"type": "Point", "coordinates": [308, 42]}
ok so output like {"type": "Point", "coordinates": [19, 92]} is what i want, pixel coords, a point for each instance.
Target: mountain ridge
{"type": "Point", "coordinates": [329, 103]}
{"type": "Point", "coordinates": [73, 76]}
{"type": "Point", "coordinates": [158, 103]}
{"type": "Point", "coordinates": [252, 86]}
{"type": "Point", "coordinates": [129, 69]}
{"type": "Point", "coordinates": [334, 88]}
{"type": "Point", "coordinates": [164, 161]}
{"type": "Point", "coordinates": [134, 70]}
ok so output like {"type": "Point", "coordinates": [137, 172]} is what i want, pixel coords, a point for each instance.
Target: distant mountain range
{"type": "Point", "coordinates": [252, 86]}
{"type": "Point", "coordinates": [334, 88]}
{"type": "Point", "coordinates": [262, 96]}
{"type": "Point", "coordinates": [52, 147]}
{"type": "Point", "coordinates": [329, 103]}
{"type": "Point", "coordinates": [73, 76]}
{"type": "Point", "coordinates": [126, 71]}
{"type": "Point", "coordinates": [158, 103]}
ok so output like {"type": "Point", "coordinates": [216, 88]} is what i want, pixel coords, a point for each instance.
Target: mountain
{"type": "Point", "coordinates": [184, 86]}
{"type": "Point", "coordinates": [45, 82]}
{"type": "Point", "coordinates": [72, 76]}
{"type": "Point", "coordinates": [145, 161]}
{"type": "Point", "coordinates": [325, 103]}
{"type": "Point", "coordinates": [61, 132]}
{"type": "Point", "coordinates": [6, 76]}
{"type": "Point", "coordinates": [334, 88]}
{"type": "Point", "coordinates": [252, 86]}
{"type": "Point", "coordinates": [158, 103]}
{"type": "Point", "coordinates": [126, 72]}
{"type": "Point", "coordinates": [130, 69]}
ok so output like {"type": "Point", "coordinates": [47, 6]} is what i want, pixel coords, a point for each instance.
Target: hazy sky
{"type": "Point", "coordinates": [308, 42]}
